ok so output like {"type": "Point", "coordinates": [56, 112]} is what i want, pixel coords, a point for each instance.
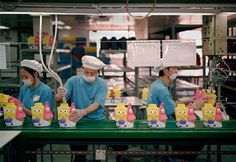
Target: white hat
{"type": "Point", "coordinates": [159, 68]}
{"type": "Point", "coordinates": [92, 62]}
{"type": "Point", "coordinates": [32, 64]}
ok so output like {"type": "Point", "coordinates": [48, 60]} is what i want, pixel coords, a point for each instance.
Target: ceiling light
{"type": "Point", "coordinates": [58, 23]}
{"type": "Point", "coordinates": [60, 27]}
{"type": "Point", "coordinates": [67, 27]}
{"type": "Point", "coordinates": [3, 27]}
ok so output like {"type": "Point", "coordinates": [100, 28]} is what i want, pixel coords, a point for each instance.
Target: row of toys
{"type": "Point", "coordinates": [47, 41]}
{"type": "Point", "coordinates": [156, 116]}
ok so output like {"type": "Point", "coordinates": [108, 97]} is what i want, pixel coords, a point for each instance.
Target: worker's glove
{"type": "Point", "coordinates": [62, 91]}
{"type": "Point", "coordinates": [77, 114]}
{"type": "Point", "coordinates": [199, 103]}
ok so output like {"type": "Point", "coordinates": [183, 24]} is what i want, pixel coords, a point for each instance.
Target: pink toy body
{"type": "Point", "coordinates": [162, 114]}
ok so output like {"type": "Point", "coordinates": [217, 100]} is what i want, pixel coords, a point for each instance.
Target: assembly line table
{"type": "Point", "coordinates": [5, 139]}
{"type": "Point", "coordinates": [105, 132]}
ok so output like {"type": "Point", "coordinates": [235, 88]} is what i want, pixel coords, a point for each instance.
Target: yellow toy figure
{"type": "Point", "coordinates": [124, 117]}
{"type": "Point", "coordinates": [64, 111]}
{"type": "Point", "coordinates": [41, 115]}
{"type": "Point", "coordinates": [13, 114]}
{"type": "Point", "coordinates": [116, 92]}
{"type": "Point", "coordinates": [3, 102]}
{"type": "Point", "coordinates": [185, 117]}
{"type": "Point", "coordinates": [108, 93]}
{"type": "Point", "coordinates": [145, 93]}
{"type": "Point", "coordinates": [212, 116]}
{"type": "Point", "coordinates": [156, 116]}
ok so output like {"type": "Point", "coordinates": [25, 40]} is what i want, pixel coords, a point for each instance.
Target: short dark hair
{"type": "Point", "coordinates": [161, 72]}
{"type": "Point", "coordinates": [31, 71]}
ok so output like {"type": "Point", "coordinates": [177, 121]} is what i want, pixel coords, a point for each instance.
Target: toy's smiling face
{"type": "Point", "coordinates": [152, 113]}
{"type": "Point", "coordinates": [9, 111]}
{"type": "Point", "coordinates": [63, 113]}
{"type": "Point", "coordinates": [37, 112]}
{"type": "Point", "coordinates": [209, 114]}
{"type": "Point", "coordinates": [121, 112]}
{"type": "Point", "coordinates": [181, 112]}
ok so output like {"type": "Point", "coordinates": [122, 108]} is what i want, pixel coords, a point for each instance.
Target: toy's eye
{"type": "Point", "coordinates": [154, 111]}
{"type": "Point", "coordinates": [123, 112]}
{"type": "Point", "coordinates": [35, 110]}
{"type": "Point", "coordinates": [39, 110]}
{"type": "Point", "coordinates": [65, 111]}
{"type": "Point", "coordinates": [11, 110]}
{"type": "Point", "coordinates": [61, 111]}
{"type": "Point", "coordinates": [7, 110]}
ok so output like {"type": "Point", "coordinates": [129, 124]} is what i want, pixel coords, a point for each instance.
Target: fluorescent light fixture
{"type": "Point", "coordinates": [37, 14]}
{"type": "Point", "coordinates": [60, 27]}
{"type": "Point", "coordinates": [4, 27]}
{"type": "Point", "coordinates": [67, 27]}
{"type": "Point", "coordinates": [58, 23]}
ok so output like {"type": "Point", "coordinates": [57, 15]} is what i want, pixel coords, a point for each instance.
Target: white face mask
{"type": "Point", "coordinates": [89, 79]}
{"type": "Point", "coordinates": [27, 82]}
{"type": "Point", "coordinates": [173, 76]}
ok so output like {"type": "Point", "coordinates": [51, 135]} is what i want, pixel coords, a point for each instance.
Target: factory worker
{"type": "Point", "coordinates": [33, 89]}
{"type": "Point", "coordinates": [88, 92]}
{"type": "Point", "coordinates": [159, 91]}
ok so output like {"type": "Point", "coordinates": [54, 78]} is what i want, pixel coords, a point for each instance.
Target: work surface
{"type": "Point", "coordinates": [107, 129]}
{"type": "Point", "coordinates": [7, 136]}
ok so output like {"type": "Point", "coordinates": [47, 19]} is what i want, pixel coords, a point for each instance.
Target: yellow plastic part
{"type": "Point", "coordinates": [181, 112]}
{"type": "Point", "coordinates": [145, 93]}
{"type": "Point", "coordinates": [3, 99]}
{"type": "Point", "coordinates": [9, 111]}
{"type": "Point", "coordinates": [208, 112]}
{"type": "Point", "coordinates": [152, 112]}
{"type": "Point", "coordinates": [121, 112]}
{"type": "Point", "coordinates": [63, 111]}
{"type": "Point", "coordinates": [37, 111]}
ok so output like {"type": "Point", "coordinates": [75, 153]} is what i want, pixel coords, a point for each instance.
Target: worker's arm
{"type": "Point", "coordinates": [27, 112]}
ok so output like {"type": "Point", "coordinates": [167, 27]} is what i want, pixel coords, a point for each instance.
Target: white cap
{"type": "Point", "coordinates": [159, 68]}
{"type": "Point", "coordinates": [32, 64]}
{"type": "Point", "coordinates": [92, 62]}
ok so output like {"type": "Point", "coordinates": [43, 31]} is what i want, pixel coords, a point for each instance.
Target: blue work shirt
{"type": "Point", "coordinates": [84, 94]}
{"type": "Point", "coordinates": [41, 93]}
{"type": "Point", "coordinates": [159, 93]}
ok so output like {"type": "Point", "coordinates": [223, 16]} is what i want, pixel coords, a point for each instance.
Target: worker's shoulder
{"type": "Point", "coordinates": [158, 85]}
{"type": "Point", "coordinates": [75, 78]}
{"type": "Point", "coordinates": [101, 80]}
{"type": "Point", "coordinates": [44, 87]}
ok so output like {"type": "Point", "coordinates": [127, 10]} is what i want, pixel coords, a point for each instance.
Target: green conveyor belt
{"type": "Point", "coordinates": [107, 129]}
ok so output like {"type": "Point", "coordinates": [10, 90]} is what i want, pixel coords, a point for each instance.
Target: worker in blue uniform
{"type": "Point", "coordinates": [88, 92]}
{"type": "Point", "coordinates": [160, 93]}
{"type": "Point", "coordinates": [33, 89]}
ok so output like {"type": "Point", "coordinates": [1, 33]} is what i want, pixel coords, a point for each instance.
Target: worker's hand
{"type": "Point", "coordinates": [199, 103]}
{"type": "Point", "coordinates": [77, 114]}
{"type": "Point", "coordinates": [61, 91]}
